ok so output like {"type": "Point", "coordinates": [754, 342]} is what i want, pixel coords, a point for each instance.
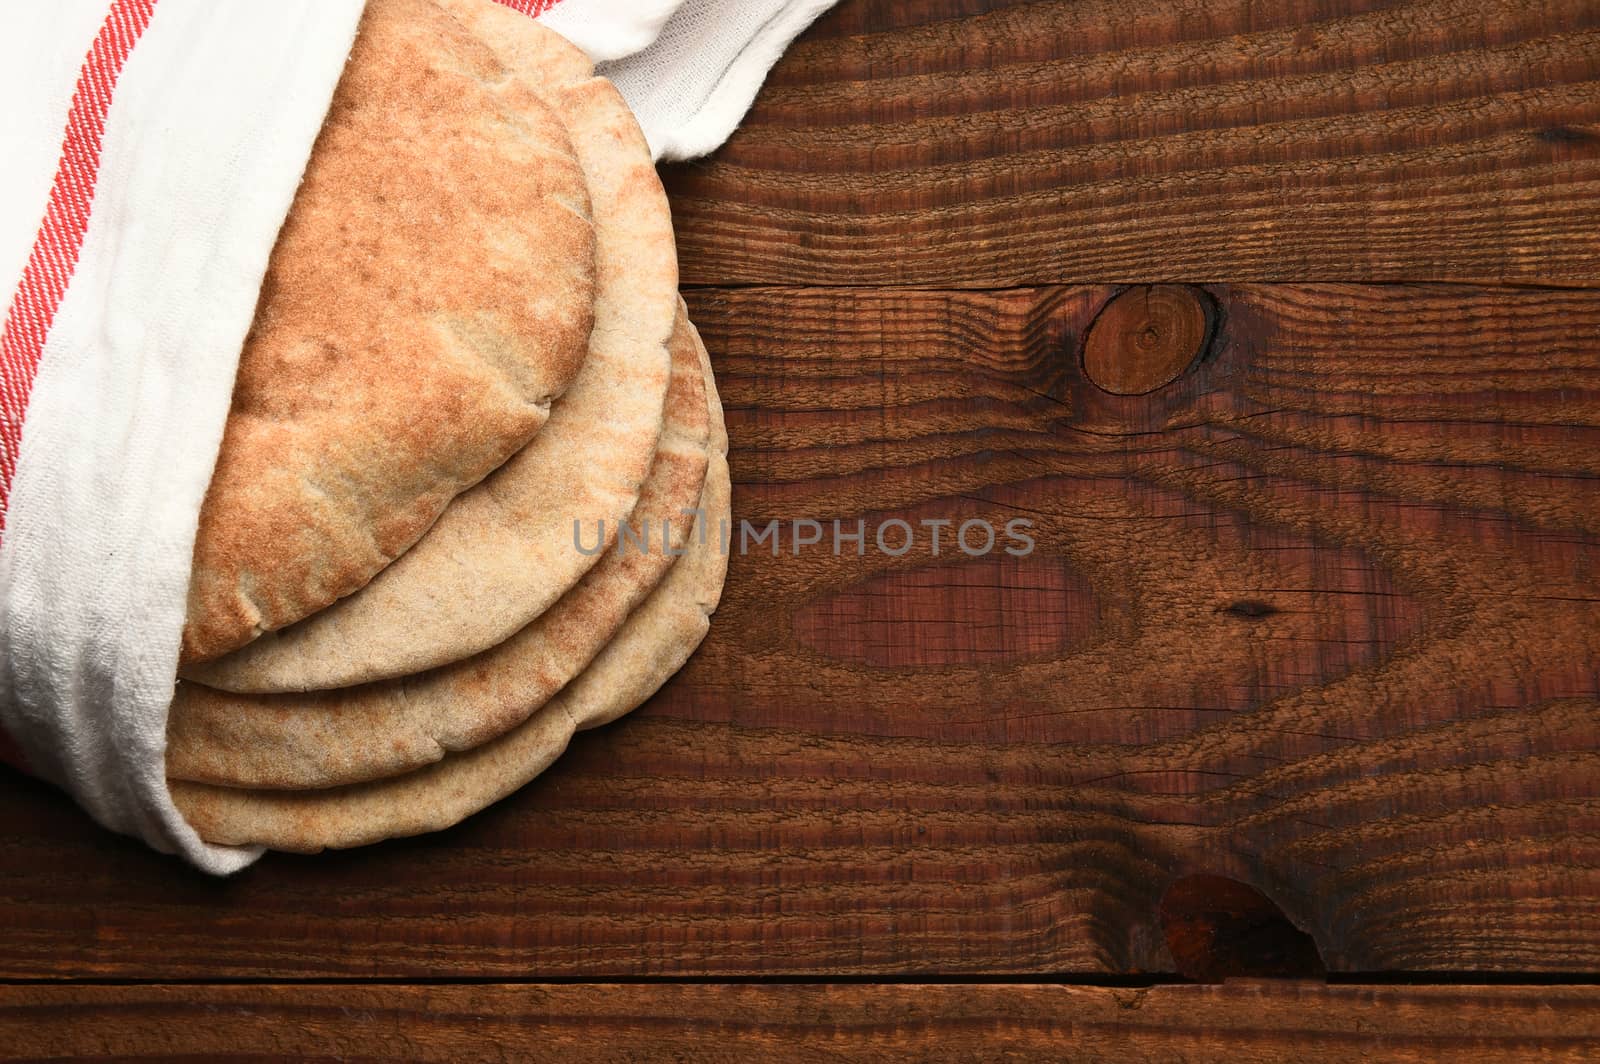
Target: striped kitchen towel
{"type": "Point", "coordinates": [152, 149]}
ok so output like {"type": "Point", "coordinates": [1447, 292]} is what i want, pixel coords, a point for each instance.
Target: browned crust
{"type": "Point", "coordinates": [501, 554]}
{"type": "Point", "coordinates": [351, 735]}
{"type": "Point", "coordinates": [652, 645]}
{"type": "Point", "coordinates": [430, 294]}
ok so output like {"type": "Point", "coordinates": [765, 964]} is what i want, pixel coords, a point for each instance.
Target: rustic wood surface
{"type": "Point", "coordinates": [1238, 1023]}
{"type": "Point", "coordinates": [971, 143]}
{"type": "Point", "coordinates": [1299, 677]}
{"type": "Point", "coordinates": [1319, 617]}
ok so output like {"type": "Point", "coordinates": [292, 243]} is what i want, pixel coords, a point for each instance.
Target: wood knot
{"type": "Point", "coordinates": [1145, 337]}
{"type": "Point", "coordinates": [1218, 928]}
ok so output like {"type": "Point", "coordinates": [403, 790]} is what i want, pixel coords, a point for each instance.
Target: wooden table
{"type": "Point", "coordinates": [1280, 322]}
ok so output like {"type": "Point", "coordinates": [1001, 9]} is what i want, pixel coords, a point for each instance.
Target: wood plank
{"type": "Point", "coordinates": [1320, 617]}
{"type": "Point", "coordinates": [967, 143]}
{"type": "Point", "coordinates": [1233, 1023]}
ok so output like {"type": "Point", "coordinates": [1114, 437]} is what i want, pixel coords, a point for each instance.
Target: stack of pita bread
{"type": "Point", "coordinates": [469, 358]}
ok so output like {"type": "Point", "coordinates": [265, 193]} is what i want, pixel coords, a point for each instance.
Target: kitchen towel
{"type": "Point", "coordinates": [689, 68]}
{"type": "Point", "coordinates": [187, 126]}
{"type": "Point", "coordinates": [152, 150]}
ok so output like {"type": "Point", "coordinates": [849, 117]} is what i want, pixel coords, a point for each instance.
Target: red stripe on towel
{"type": "Point", "coordinates": [66, 219]}
{"type": "Point", "coordinates": [530, 7]}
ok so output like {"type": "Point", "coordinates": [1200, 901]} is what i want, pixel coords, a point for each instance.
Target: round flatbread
{"type": "Point", "coordinates": [501, 554]}
{"type": "Point", "coordinates": [652, 645]}
{"type": "Point", "coordinates": [430, 294]}
{"type": "Point", "coordinates": [329, 738]}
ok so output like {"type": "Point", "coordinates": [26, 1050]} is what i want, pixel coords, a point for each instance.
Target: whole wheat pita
{"type": "Point", "coordinates": [653, 644]}
{"type": "Point", "coordinates": [501, 553]}
{"type": "Point", "coordinates": [350, 735]}
{"type": "Point", "coordinates": [430, 294]}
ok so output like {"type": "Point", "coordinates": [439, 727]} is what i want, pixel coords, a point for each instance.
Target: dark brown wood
{"type": "Point", "coordinates": [1301, 674]}
{"type": "Point", "coordinates": [963, 143]}
{"type": "Point", "coordinates": [1218, 929]}
{"type": "Point", "coordinates": [1321, 617]}
{"type": "Point", "coordinates": [1145, 337]}
{"type": "Point", "coordinates": [1238, 1023]}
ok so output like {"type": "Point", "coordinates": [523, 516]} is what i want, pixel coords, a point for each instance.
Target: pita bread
{"type": "Point", "coordinates": [501, 554]}
{"type": "Point", "coordinates": [652, 645]}
{"type": "Point", "coordinates": [430, 293]}
{"type": "Point", "coordinates": [327, 738]}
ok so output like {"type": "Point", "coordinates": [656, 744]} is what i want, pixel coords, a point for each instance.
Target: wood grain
{"type": "Point", "coordinates": [1237, 1023]}
{"type": "Point", "coordinates": [994, 144]}
{"type": "Point", "coordinates": [1320, 617]}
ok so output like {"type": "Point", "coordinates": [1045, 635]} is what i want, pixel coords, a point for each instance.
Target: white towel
{"type": "Point", "coordinates": [689, 68]}
{"type": "Point", "coordinates": [693, 85]}
{"type": "Point", "coordinates": [152, 149]}
{"type": "Point", "coordinates": [188, 125]}
{"type": "Point", "coordinates": [604, 29]}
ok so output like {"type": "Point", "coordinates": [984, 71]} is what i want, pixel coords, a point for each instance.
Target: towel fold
{"type": "Point", "coordinates": [689, 68]}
